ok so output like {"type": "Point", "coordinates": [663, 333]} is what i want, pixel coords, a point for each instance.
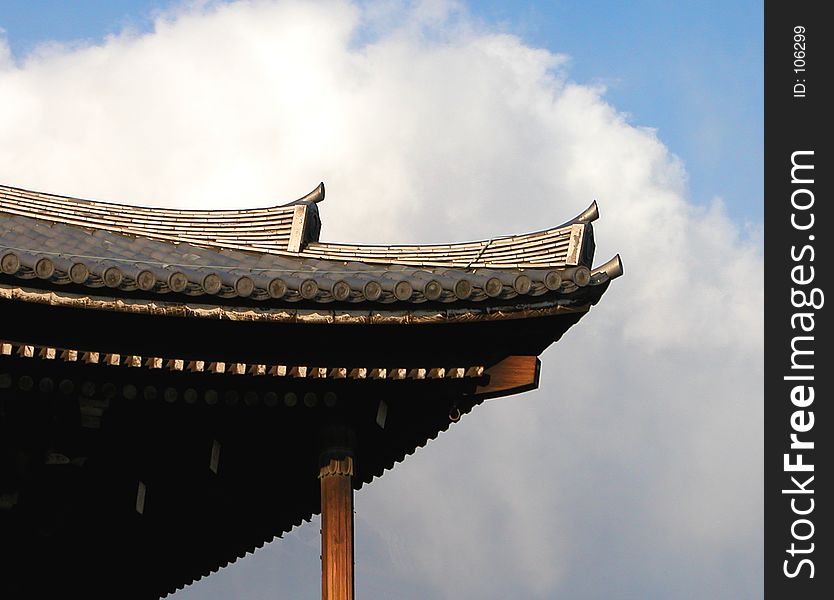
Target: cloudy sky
{"type": "Point", "coordinates": [635, 471]}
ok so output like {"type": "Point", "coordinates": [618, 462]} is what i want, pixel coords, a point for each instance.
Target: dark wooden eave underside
{"type": "Point", "coordinates": [73, 507]}
{"type": "Point", "coordinates": [74, 514]}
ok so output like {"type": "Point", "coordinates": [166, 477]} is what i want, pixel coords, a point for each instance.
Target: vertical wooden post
{"type": "Point", "coordinates": [336, 479]}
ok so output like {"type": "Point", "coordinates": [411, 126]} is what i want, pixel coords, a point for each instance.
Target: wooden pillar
{"type": "Point", "coordinates": [336, 479]}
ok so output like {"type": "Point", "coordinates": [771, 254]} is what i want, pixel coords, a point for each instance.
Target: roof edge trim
{"type": "Point", "coordinates": [607, 271]}
{"type": "Point", "coordinates": [293, 315]}
{"type": "Point", "coordinates": [314, 197]}
{"type": "Point", "coordinates": [589, 215]}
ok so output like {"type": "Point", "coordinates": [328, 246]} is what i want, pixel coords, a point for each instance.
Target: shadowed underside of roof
{"type": "Point", "coordinates": [194, 520]}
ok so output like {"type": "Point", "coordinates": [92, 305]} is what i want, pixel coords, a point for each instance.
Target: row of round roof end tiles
{"type": "Point", "coordinates": [321, 286]}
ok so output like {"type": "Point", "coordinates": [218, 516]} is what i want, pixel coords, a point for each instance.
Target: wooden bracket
{"type": "Point", "coordinates": [513, 375]}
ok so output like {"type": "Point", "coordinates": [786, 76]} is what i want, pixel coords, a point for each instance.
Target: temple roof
{"type": "Point", "coordinates": [273, 255]}
{"type": "Point", "coordinates": [292, 229]}
{"type": "Point", "coordinates": [114, 417]}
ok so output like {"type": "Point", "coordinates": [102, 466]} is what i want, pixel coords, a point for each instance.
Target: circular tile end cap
{"type": "Point", "coordinates": [277, 288]}
{"type": "Point", "coordinates": [553, 280]}
{"type": "Point", "coordinates": [211, 283]}
{"type": "Point", "coordinates": [403, 291]}
{"type": "Point", "coordinates": [244, 286]}
{"type": "Point", "coordinates": [79, 273]}
{"type": "Point", "coordinates": [493, 287]}
{"type": "Point", "coordinates": [463, 289]}
{"type": "Point", "coordinates": [372, 291]}
{"type": "Point", "coordinates": [308, 289]}
{"type": "Point", "coordinates": [112, 277]}
{"type": "Point", "coordinates": [178, 281]}
{"type": "Point", "coordinates": [522, 284]}
{"type": "Point", "coordinates": [10, 263]}
{"type": "Point", "coordinates": [433, 290]}
{"type": "Point", "coordinates": [44, 268]}
{"type": "Point", "coordinates": [341, 290]}
{"type": "Point", "coordinates": [145, 280]}
{"type": "Point", "coordinates": [582, 276]}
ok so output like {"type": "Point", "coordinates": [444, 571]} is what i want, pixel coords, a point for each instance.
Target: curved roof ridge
{"type": "Point", "coordinates": [552, 247]}
{"type": "Point", "coordinates": [292, 229]}
{"type": "Point", "coordinates": [276, 229]}
{"type": "Point", "coordinates": [8, 192]}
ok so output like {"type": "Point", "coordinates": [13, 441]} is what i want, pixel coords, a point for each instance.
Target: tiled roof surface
{"type": "Point", "coordinates": [263, 229]}
{"type": "Point", "coordinates": [551, 248]}
{"type": "Point", "coordinates": [243, 254]}
{"type": "Point", "coordinates": [293, 229]}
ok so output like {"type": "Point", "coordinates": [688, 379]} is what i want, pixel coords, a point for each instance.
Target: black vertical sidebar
{"type": "Point", "coordinates": [799, 226]}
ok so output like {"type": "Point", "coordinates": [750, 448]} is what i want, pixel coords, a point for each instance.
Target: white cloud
{"type": "Point", "coordinates": [636, 468]}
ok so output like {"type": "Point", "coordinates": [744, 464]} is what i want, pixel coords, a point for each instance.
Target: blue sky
{"type": "Point", "coordinates": [692, 70]}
